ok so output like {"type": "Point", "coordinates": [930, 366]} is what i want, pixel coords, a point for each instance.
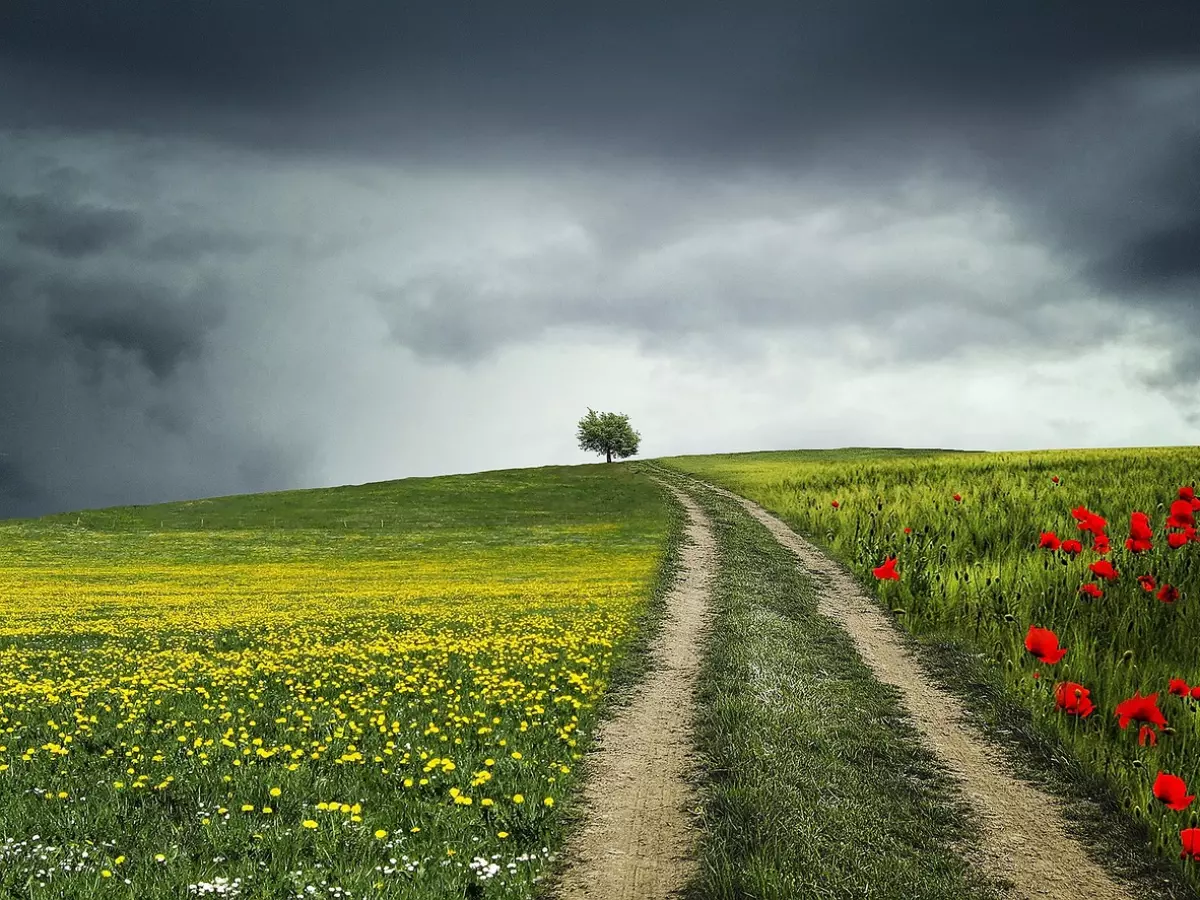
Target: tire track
{"type": "Point", "coordinates": [638, 840]}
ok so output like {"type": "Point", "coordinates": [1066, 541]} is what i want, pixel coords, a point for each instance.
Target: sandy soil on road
{"type": "Point", "coordinates": [638, 842]}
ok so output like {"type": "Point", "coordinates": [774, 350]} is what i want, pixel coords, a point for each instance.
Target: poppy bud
{"type": "Point", "coordinates": [1126, 656]}
{"type": "Point", "coordinates": [1167, 729]}
{"type": "Point", "coordinates": [899, 611]}
{"type": "Point", "coordinates": [1008, 617]}
{"type": "Point", "coordinates": [1137, 763]}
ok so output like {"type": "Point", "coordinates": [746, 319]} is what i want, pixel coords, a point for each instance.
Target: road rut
{"type": "Point", "coordinates": [638, 840]}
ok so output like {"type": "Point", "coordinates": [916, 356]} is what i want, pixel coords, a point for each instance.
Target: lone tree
{"type": "Point", "coordinates": [608, 433]}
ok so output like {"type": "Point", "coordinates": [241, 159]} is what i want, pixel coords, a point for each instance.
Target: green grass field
{"type": "Point", "coordinates": [372, 691]}
{"type": "Point", "coordinates": [386, 690]}
{"type": "Point", "coordinates": [973, 578]}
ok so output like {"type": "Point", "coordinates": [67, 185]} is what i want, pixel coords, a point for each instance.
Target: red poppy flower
{"type": "Point", "coordinates": [1139, 527]}
{"type": "Point", "coordinates": [1054, 478]}
{"type": "Point", "coordinates": [908, 531]}
{"type": "Point", "coordinates": [1104, 569]}
{"type": "Point", "coordinates": [1196, 692]}
{"type": "Point", "coordinates": [1092, 590]}
{"type": "Point", "coordinates": [1172, 790]}
{"type": "Point", "coordinates": [1147, 582]}
{"type": "Point", "coordinates": [1043, 644]}
{"type": "Point", "coordinates": [1146, 733]}
{"type": "Point", "coordinates": [1196, 504]}
{"type": "Point", "coordinates": [1135, 545]}
{"type": "Point", "coordinates": [1179, 687]}
{"type": "Point", "coordinates": [1187, 493]}
{"type": "Point", "coordinates": [1049, 540]}
{"type": "Point", "coordinates": [887, 572]}
{"type": "Point", "coordinates": [1140, 709]}
{"type": "Point", "coordinates": [1089, 521]}
{"type": "Point", "coordinates": [1072, 546]}
{"type": "Point", "coordinates": [1181, 515]}
{"type": "Point", "coordinates": [958, 498]}
{"type": "Point", "coordinates": [1190, 839]}
{"type": "Point", "coordinates": [1073, 699]}
{"type": "Point", "coordinates": [1168, 594]}
{"type": "Point", "coordinates": [835, 504]}
{"type": "Point", "coordinates": [1176, 539]}
{"type": "Point", "coordinates": [1100, 544]}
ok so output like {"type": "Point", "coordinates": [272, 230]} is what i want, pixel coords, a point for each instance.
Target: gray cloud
{"type": "Point", "coordinates": [65, 230]}
{"type": "Point", "coordinates": [14, 487]}
{"type": "Point", "coordinates": [191, 245]}
{"type": "Point", "coordinates": [161, 332]}
{"type": "Point", "coordinates": [223, 224]}
{"type": "Point", "coordinates": [928, 274]}
{"type": "Point", "coordinates": [1165, 260]}
{"type": "Point", "coordinates": [100, 358]}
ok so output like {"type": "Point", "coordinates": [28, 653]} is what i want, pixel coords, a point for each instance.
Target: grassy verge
{"type": "Point", "coordinates": [816, 787]}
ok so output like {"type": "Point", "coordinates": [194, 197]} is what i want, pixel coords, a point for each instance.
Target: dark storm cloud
{"type": "Point", "coordinates": [670, 80]}
{"type": "Point", "coordinates": [14, 486]}
{"type": "Point", "coordinates": [159, 330]}
{"type": "Point", "coordinates": [1161, 260]}
{"type": "Point", "coordinates": [1165, 260]}
{"type": "Point", "coordinates": [65, 229]}
{"type": "Point", "coordinates": [190, 245]}
{"type": "Point", "coordinates": [115, 295]}
{"type": "Point", "coordinates": [864, 92]}
{"type": "Point", "coordinates": [99, 405]}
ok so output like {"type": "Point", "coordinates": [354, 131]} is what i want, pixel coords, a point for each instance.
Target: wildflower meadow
{"type": "Point", "coordinates": [373, 691]}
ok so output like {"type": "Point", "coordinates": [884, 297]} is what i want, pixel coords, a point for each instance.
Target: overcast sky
{"type": "Point", "coordinates": [261, 244]}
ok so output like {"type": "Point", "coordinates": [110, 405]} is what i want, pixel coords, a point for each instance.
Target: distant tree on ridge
{"type": "Point", "coordinates": [607, 433]}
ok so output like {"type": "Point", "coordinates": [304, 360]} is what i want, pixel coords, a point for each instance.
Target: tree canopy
{"type": "Point", "coordinates": [608, 433]}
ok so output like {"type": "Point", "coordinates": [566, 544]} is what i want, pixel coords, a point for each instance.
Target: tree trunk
{"type": "Point", "coordinates": [609, 456]}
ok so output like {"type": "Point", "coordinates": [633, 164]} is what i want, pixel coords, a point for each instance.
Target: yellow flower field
{"type": "Point", "coordinates": [178, 718]}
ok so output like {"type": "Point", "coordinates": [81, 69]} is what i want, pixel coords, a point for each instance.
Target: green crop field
{"type": "Point", "coordinates": [372, 691]}
{"type": "Point", "coordinates": [980, 557]}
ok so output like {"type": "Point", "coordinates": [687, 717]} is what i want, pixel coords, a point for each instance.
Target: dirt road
{"type": "Point", "coordinates": [637, 844]}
